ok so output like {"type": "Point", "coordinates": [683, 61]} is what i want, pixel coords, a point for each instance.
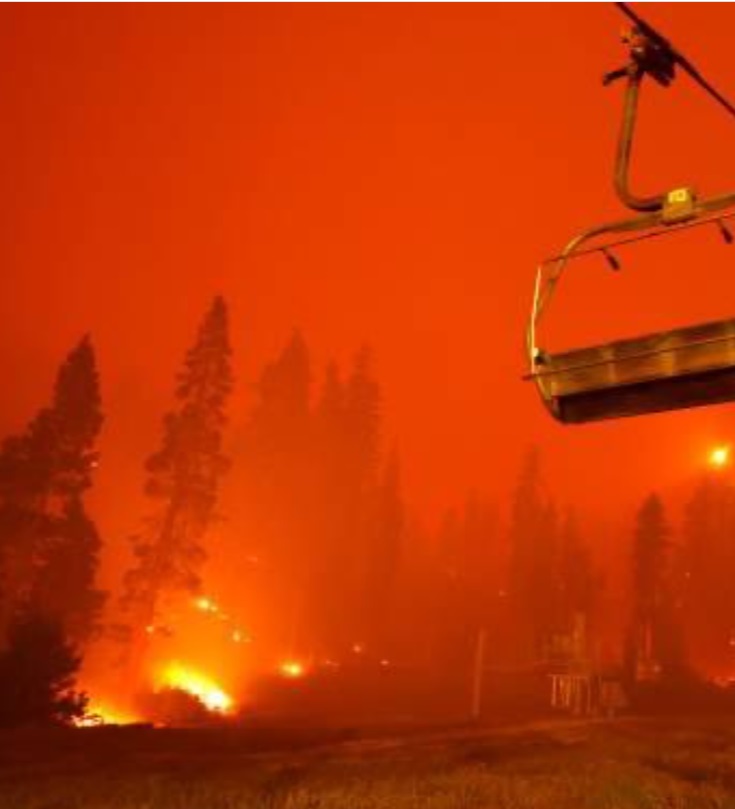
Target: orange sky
{"type": "Point", "coordinates": [383, 173]}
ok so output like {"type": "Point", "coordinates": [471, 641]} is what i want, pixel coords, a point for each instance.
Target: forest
{"type": "Point", "coordinates": [343, 582]}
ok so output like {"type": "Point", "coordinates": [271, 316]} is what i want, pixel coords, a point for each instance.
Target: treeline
{"type": "Point", "coordinates": [683, 604]}
{"type": "Point", "coordinates": [323, 510]}
{"type": "Point", "coordinates": [524, 577]}
{"type": "Point", "coordinates": [50, 607]}
{"type": "Point", "coordinates": [342, 565]}
{"type": "Point", "coordinates": [49, 548]}
{"type": "Point", "coordinates": [321, 497]}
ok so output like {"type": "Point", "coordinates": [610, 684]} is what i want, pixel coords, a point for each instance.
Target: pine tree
{"type": "Point", "coordinates": [184, 474]}
{"type": "Point", "coordinates": [64, 586]}
{"type": "Point", "coordinates": [383, 554]}
{"type": "Point", "coordinates": [56, 454]}
{"type": "Point", "coordinates": [362, 415]}
{"type": "Point", "coordinates": [481, 569]}
{"type": "Point", "coordinates": [533, 574]}
{"type": "Point", "coordinates": [280, 481]}
{"type": "Point", "coordinates": [706, 566]}
{"type": "Point", "coordinates": [324, 485]}
{"type": "Point", "coordinates": [577, 578]}
{"type": "Point", "coordinates": [654, 643]}
{"type": "Point", "coordinates": [467, 597]}
{"type": "Point", "coordinates": [38, 668]}
{"type": "Point", "coordinates": [418, 606]}
{"type": "Point", "coordinates": [42, 472]}
{"type": "Point", "coordinates": [329, 553]}
{"type": "Point", "coordinates": [362, 425]}
{"type": "Point", "coordinates": [579, 589]}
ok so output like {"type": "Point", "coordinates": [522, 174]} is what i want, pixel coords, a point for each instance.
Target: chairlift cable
{"type": "Point", "coordinates": [649, 31]}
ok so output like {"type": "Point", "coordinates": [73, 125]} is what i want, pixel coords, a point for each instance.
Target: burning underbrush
{"type": "Point", "coordinates": [183, 669]}
{"type": "Point", "coordinates": [289, 690]}
{"type": "Point", "coordinates": [179, 696]}
{"type": "Point", "coordinates": [202, 666]}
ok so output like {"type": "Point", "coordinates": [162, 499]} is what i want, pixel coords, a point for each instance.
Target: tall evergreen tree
{"type": "Point", "coordinates": [338, 545]}
{"type": "Point", "coordinates": [362, 435]}
{"type": "Point", "coordinates": [383, 554]}
{"type": "Point", "coordinates": [578, 597]}
{"type": "Point", "coordinates": [533, 574]}
{"type": "Point", "coordinates": [362, 414]}
{"type": "Point", "coordinates": [481, 555]}
{"type": "Point", "coordinates": [654, 643]}
{"type": "Point", "coordinates": [328, 557]}
{"type": "Point", "coordinates": [280, 481]}
{"type": "Point", "coordinates": [43, 473]}
{"type": "Point", "coordinates": [38, 668]}
{"type": "Point", "coordinates": [315, 499]}
{"type": "Point", "coordinates": [418, 596]}
{"type": "Point", "coordinates": [706, 566]}
{"type": "Point", "coordinates": [466, 601]}
{"type": "Point", "coordinates": [64, 586]}
{"type": "Point", "coordinates": [184, 474]}
{"type": "Point", "coordinates": [577, 577]}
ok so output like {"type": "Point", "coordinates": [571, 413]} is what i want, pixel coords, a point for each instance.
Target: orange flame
{"type": "Point", "coordinates": [292, 669]}
{"type": "Point", "coordinates": [206, 690]}
{"type": "Point", "coordinates": [205, 604]}
{"type": "Point", "coordinates": [98, 713]}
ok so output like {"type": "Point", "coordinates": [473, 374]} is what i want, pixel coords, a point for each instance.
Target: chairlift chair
{"type": "Point", "coordinates": [671, 370]}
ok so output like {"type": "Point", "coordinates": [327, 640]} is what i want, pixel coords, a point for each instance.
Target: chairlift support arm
{"type": "Point", "coordinates": [653, 55]}
{"type": "Point", "coordinates": [567, 397]}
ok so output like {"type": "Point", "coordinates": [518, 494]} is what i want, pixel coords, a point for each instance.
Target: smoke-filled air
{"type": "Point", "coordinates": [366, 436]}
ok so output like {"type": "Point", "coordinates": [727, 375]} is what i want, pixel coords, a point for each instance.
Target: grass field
{"type": "Point", "coordinates": [629, 763]}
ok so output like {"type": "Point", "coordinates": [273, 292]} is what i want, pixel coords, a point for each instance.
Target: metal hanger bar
{"type": "Point", "coordinates": [670, 230]}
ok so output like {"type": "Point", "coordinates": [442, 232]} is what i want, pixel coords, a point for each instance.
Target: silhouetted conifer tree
{"type": "Point", "coordinates": [418, 590]}
{"type": "Point", "coordinates": [315, 499]}
{"type": "Point", "coordinates": [362, 426]}
{"type": "Point", "coordinates": [64, 585]}
{"type": "Point", "coordinates": [362, 416]}
{"type": "Point", "coordinates": [184, 474]}
{"type": "Point", "coordinates": [280, 484]}
{"type": "Point", "coordinates": [43, 472]}
{"type": "Point", "coordinates": [383, 554]}
{"type": "Point", "coordinates": [37, 675]}
{"type": "Point", "coordinates": [466, 602]}
{"type": "Point", "coordinates": [329, 551]}
{"type": "Point", "coordinates": [533, 574]}
{"type": "Point", "coordinates": [654, 643]}
{"type": "Point", "coordinates": [706, 570]}
{"type": "Point", "coordinates": [578, 580]}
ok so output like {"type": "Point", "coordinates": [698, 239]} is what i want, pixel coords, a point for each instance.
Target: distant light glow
{"type": "Point", "coordinates": [205, 604]}
{"type": "Point", "coordinates": [201, 686]}
{"type": "Point", "coordinates": [719, 457]}
{"type": "Point", "coordinates": [292, 669]}
{"type": "Point", "coordinates": [358, 648]}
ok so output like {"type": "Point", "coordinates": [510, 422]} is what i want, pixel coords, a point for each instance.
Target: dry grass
{"type": "Point", "coordinates": [631, 764]}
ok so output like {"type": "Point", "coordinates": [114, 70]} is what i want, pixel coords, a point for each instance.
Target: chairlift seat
{"type": "Point", "coordinates": [671, 370]}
